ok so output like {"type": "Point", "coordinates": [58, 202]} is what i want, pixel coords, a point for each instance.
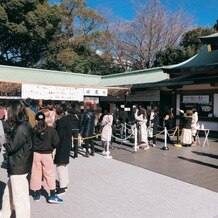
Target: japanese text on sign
{"type": "Point", "coordinates": [52, 92]}
{"type": "Point", "coordinates": [200, 99]}
{"type": "Point", "coordinates": [95, 92]}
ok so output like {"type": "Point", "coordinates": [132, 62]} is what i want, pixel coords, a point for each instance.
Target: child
{"type": "Point", "coordinates": [46, 139]}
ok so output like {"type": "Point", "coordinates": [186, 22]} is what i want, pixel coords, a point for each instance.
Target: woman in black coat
{"type": "Point", "coordinates": [19, 147]}
{"type": "Point", "coordinates": [155, 123]}
{"type": "Point", "coordinates": [64, 127]}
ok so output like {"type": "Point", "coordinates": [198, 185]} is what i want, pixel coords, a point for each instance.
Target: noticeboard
{"type": "Point", "coordinates": [51, 92]}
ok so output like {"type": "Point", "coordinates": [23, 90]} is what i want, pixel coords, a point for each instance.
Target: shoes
{"type": "Point", "coordinates": [61, 191]}
{"type": "Point", "coordinates": [92, 153]}
{"type": "Point", "coordinates": [105, 153]}
{"type": "Point", "coordinates": [36, 197]}
{"type": "Point", "coordinates": [86, 155]}
{"type": "Point", "coordinates": [75, 157]}
{"type": "Point", "coordinates": [55, 199]}
{"type": "Point", "coordinates": [147, 147]}
{"type": "Point", "coordinates": [154, 145]}
{"type": "Point", "coordinates": [194, 143]}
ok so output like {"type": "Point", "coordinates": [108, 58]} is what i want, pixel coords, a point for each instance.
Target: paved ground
{"type": "Point", "coordinates": [196, 165]}
{"type": "Point", "coordinates": [123, 188]}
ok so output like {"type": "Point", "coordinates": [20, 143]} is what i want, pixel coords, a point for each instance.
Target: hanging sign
{"type": "Point", "coordinates": [51, 92]}
{"type": "Point", "coordinates": [199, 99]}
{"type": "Point", "coordinates": [95, 92]}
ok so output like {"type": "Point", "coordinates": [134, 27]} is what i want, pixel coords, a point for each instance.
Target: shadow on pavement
{"type": "Point", "coordinates": [199, 162]}
{"type": "Point", "coordinates": [206, 154]}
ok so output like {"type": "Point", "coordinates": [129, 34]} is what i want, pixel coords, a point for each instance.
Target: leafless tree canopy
{"type": "Point", "coordinates": [153, 29]}
{"type": "Point", "coordinates": [10, 89]}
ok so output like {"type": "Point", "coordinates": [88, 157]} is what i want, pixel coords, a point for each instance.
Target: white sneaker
{"type": "Point", "coordinates": [154, 145]}
{"type": "Point", "coordinates": [146, 148]}
{"type": "Point", "coordinates": [105, 152]}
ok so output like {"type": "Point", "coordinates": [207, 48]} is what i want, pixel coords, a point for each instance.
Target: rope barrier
{"type": "Point", "coordinates": [90, 137]}
{"type": "Point", "coordinates": [172, 135]}
{"type": "Point", "coordinates": [123, 139]}
{"type": "Point", "coordinates": [134, 132]}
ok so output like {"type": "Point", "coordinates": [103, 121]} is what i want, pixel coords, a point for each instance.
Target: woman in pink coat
{"type": "Point", "coordinates": [106, 134]}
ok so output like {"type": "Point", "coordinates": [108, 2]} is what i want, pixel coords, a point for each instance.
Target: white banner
{"type": "Point", "coordinates": [150, 95]}
{"type": "Point", "coordinates": [200, 99]}
{"type": "Point", "coordinates": [95, 92]}
{"type": "Point", "coordinates": [51, 92]}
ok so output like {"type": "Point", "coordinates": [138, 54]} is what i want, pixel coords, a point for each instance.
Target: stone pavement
{"type": "Point", "coordinates": [113, 189]}
{"type": "Point", "coordinates": [196, 165]}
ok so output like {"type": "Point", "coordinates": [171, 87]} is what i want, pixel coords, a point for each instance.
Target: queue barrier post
{"type": "Point", "coordinates": [136, 139]}
{"type": "Point", "coordinates": [165, 147]}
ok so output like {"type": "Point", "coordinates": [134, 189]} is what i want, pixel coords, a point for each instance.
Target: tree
{"type": "Point", "coordinates": [172, 55]}
{"type": "Point", "coordinates": [80, 24]}
{"type": "Point", "coordinates": [191, 39]}
{"type": "Point", "coordinates": [75, 49]}
{"type": "Point", "coordinates": [26, 29]}
{"type": "Point", "coordinates": [189, 46]}
{"type": "Point", "coordinates": [216, 25]}
{"type": "Point", "coordinates": [153, 29]}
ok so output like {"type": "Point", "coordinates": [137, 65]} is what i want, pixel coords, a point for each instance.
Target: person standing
{"type": "Point", "coordinates": [106, 123]}
{"type": "Point", "coordinates": [19, 146]}
{"type": "Point", "coordinates": [186, 136]}
{"type": "Point", "coordinates": [64, 127]}
{"type": "Point", "coordinates": [168, 121]}
{"type": "Point", "coordinates": [88, 127]}
{"type": "Point", "coordinates": [154, 124]}
{"type": "Point", "coordinates": [31, 113]}
{"type": "Point", "coordinates": [141, 119]}
{"type": "Point", "coordinates": [46, 139]}
{"type": "Point", "coordinates": [194, 126]}
{"type": "Point", "coordinates": [75, 129]}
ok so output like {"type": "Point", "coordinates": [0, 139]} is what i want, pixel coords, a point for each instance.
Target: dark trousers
{"type": "Point", "coordinates": [169, 126]}
{"type": "Point", "coordinates": [154, 139]}
{"type": "Point", "coordinates": [75, 141]}
{"type": "Point", "coordinates": [91, 143]}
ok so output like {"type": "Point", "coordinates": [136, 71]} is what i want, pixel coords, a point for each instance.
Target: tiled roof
{"type": "Point", "coordinates": [48, 77]}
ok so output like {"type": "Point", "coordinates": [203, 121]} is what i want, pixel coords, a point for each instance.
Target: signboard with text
{"type": "Point", "coordinates": [198, 99]}
{"type": "Point", "coordinates": [51, 92]}
{"type": "Point", "coordinates": [150, 95]}
{"type": "Point", "coordinates": [95, 92]}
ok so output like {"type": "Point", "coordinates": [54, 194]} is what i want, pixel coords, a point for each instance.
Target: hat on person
{"type": "Point", "coordinates": [40, 116]}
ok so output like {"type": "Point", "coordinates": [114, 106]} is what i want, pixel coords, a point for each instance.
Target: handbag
{"type": "Point", "coordinates": [150, 132]}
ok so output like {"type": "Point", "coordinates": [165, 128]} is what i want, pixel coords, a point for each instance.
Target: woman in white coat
{"type": "Point", "coordinates": [141, 118]}
{"type": "Point", "coordinates": [194, 126]}
{"type": "Point", "coordinates": [106, 133]}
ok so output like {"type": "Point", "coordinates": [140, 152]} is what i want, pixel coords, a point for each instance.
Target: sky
{"type": "Point", "coordinates": [203, 12]}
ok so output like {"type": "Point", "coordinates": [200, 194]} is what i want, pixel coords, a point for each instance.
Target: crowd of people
{"type": "Point", "coordinates": [38, 144]}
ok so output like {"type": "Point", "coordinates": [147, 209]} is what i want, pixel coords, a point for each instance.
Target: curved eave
{"type": "Point", "coordinates": [46, 77]}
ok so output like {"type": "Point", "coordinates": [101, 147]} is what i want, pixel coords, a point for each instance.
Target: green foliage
{"type": "Point", "coordinates": [171, 55]}
{"type": "Point", "coordinates": [189, 46]}
{"type": "Point", "coordinates": [27, 28]}
{"type": "Point", "coordinates": [191, 41]}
